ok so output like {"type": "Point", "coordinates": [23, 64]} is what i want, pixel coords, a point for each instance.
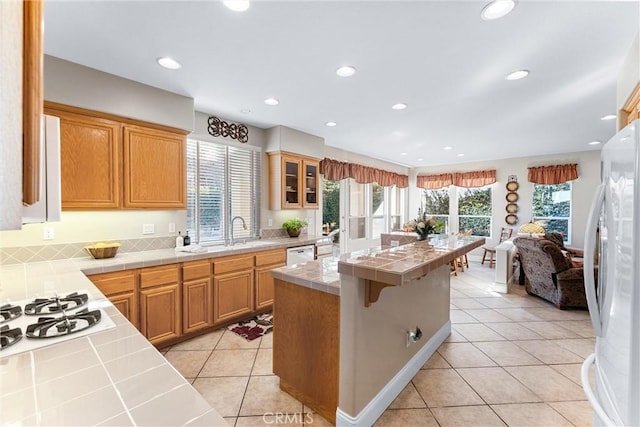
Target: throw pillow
{"type": "Point", "coordinates": [556, 238]}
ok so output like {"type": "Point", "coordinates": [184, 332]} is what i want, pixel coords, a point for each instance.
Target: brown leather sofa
{"type": "Point", "coordinates": [550, 274]}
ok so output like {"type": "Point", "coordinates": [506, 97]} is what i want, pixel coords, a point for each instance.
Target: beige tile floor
{"type": "Point", "coordinates": [510, 360]}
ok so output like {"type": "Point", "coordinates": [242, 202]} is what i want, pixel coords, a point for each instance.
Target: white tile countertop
{"type": "Point", "coordinates": [321, 275]}
{"type": "Point", "coordinates": [113, 377]}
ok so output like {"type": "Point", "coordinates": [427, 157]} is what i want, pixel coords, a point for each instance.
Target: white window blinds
{"type": "Point", "coordinates": [222, 182]}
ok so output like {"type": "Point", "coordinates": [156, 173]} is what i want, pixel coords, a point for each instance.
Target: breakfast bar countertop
{"type": "Point", "coordinates": [401, 264]}
{"type": "Point", "coordinates": [395, 266]}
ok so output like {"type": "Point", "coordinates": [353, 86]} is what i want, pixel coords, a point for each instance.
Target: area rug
{"type": "Point", "coordinates": [253, 328]}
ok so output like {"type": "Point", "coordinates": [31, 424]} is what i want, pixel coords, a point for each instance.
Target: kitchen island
{"type": "Point", "coordinates": [351, 333]}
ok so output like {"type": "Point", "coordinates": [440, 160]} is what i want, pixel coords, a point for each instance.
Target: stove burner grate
{"type": "Point", "coordinates": [49, 327]}
{"type": "Point", "coordinates": [9, 337]}
{"type": "Point", "coordinates": [56, 304]}
{"type": "Point", "coordinates": [9, 312]}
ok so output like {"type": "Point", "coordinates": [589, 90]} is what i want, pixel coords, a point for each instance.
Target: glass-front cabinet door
{"type": "Point", "coordinates": [310, 183]}
{"type": "Point", "coordinates": [291, 182]}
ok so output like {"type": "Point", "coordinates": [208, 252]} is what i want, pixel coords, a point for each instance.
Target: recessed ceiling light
{"type": "Point", "coordinates": [169, 63]}
{"type": "Point", "coordinates": [346, 71]}
{"type": "Point", "coordinates": [245, 111]}
{"type": "Point", "coordinates": [447, 148]}
{"type": "Point", "coordinates": [595, 143]}
{"type": "Point", "coordinates": [331, 124]}
{"type": "Point", "coordinates": [460, 155]}
{"type": "Point", "coordinates": [237, 5]}
{"type": "Point", "coordinates": [420, 159]}
{"type": "Point", "coordinates": [517, 75]}
{"type": "Point", "coordinates": [271, 101]}
{"type": "Point", "coordinates": [404, 154]}
{"type": "Point", "coordinates": [399, 106]}
{"type": "Point", "coordinates": [497, 9]}
{"type": "Point", "coordinates": [608, 117]}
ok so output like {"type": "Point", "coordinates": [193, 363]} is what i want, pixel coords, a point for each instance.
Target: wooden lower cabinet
{"type": "Point", "coordinates": [308, 367]}
{"type": "Point", "coordinates": [120, 288]}
{"type": "Point", "coordinates": [127, 304]}
{"type": "Point", "coordinates": [160, 313]}
{"type": "Point", "coordinates": [232, 295]}
{"type": "Point", "coordinates": [265, 262]}
{"type": "Point", "coordinates": [197, 312]}
{"type": "Point", "coordinates": [197, 296]}
{"type": "Point", "coordinates": [160, 303]}
{"type": "Point", "coordinates": [264, 286]}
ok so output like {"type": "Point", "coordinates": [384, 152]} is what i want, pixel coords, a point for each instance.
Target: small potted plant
{"type": "Point", "coordinates": [293, 226]}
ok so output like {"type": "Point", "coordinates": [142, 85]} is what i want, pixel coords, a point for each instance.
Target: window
{"type": "Point", "coordinates": [377, 210]}
{"type": "Point", "coordinates": [552, 207]}
{"type": "Point", "coordinates": [357, 211]}
{"type": "Point", "coordinates": [374, 209]}
{"type": "Point", "coordinates": [330, 205]}
{"type": "Point", "coordinates": [397, 203]}
{"type": "Point", "coordinates": [436, 204]}
{"type": "Point", "coordinates": [474, 210]}
{"type": "Point", "coordinates": [222, 182]}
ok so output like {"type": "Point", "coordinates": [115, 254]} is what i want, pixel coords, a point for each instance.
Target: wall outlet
{"type": "Point", "coordinates": [270, 222]}
{"type": "Point", "coordinates": [172, 227]}
{"type": "Point", "coordinates": [148, 229]}
{"type": "Point", "coordinates": [48, 233]}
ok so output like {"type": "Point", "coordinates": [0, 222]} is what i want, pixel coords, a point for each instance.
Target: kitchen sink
{"type": "Point", "coordinates": [243, 245]}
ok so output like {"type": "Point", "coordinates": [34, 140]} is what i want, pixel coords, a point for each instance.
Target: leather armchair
{"type": "Point", "coordinates": [549, 274]}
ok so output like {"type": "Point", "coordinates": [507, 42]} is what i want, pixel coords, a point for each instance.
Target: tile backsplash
{"type": "Point", "coordinates": [20, 254]}
{"type": "Point", "coordinates": [271, 233]}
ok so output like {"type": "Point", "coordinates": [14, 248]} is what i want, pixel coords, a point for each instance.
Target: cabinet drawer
{"type": "Point", "coordinates": [196, 270]}
{"type": "Point", "coordinates": [114, 283]}
{"type": "Point", "coordinates": [229, 264]}
{"type": "Point", "coordinates": [154, 276]}
{"type": "Point", "coordinates": [271, 257]}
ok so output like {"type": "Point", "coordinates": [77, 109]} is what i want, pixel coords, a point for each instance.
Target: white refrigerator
{"type": "Point", "coordinates": [614, 303]}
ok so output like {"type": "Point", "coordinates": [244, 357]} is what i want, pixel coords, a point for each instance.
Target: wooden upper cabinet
{"type": "Point", "coordinates": [111, 162]}
{"type": "Point", "coordinates": [154, 169]}
{"type": "Point", "coordinates": [293, 181]}
{"type": "Point", "coordinates": [310, 186]}
{"type": "Point", "coordinates": [631, 109]}
{"type": "Point", "coordinates": [90, 155]}
{"type": "Point", "coordinates": [32, 97]}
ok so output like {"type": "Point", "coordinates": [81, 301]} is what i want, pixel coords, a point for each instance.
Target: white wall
{"type": "Point", "coordinates": [96, 226]}
{"type": "Point", "coordinates": [74, 84]}
{"type": "Point", "coordinates": [582, 189]}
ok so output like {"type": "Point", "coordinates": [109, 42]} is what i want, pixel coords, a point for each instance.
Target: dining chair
{"type": "Point", "coordinates": [505, 233]}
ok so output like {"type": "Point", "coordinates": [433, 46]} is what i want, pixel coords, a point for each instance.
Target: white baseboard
{"type": "Point", "coordinates": [392, 389]}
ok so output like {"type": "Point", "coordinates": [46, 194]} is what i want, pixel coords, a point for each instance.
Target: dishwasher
{"type": "Point", "coordinates": [300, 254]}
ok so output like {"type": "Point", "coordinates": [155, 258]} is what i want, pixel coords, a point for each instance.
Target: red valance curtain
{"type": "Point", "coordinates": [336, 170]}
{"type": "Point", "coordinates": [474, 179]}
{"type": "Point", "coordinates": [434, 182]}
{"type": "Point", "coordinates": [555, 174]}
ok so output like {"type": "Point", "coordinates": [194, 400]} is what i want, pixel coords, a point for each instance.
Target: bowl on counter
{"type": "Point", "coordinates": [103, 250]}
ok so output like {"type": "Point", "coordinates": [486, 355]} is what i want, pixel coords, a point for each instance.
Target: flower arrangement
{"type": "Point", "coordinates": [424, 225]}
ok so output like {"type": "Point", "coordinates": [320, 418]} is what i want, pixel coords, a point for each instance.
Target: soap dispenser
{"type": "Point", "coordinates": [187, 239]}
{"type": "Point", "coordinates": [179, 241]}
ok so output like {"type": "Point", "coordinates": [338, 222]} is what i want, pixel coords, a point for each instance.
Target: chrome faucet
{"type": "Point", "coordinates": [244, 225]}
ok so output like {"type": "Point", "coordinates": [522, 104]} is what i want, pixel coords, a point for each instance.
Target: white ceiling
{"type": "Point", "coordinates": [439, 57]}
